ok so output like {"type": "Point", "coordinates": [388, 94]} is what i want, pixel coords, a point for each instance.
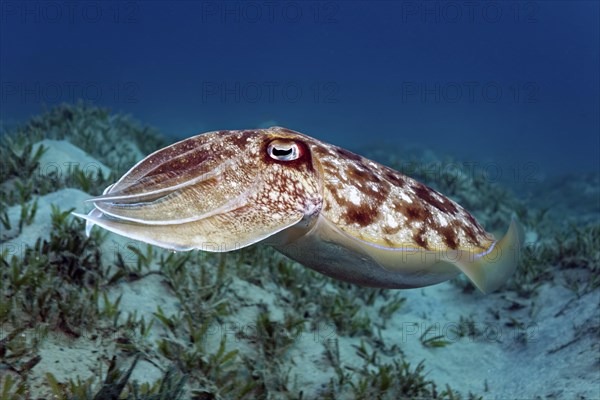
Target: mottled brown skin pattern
{"type": "Point", "coordinates": [365, 199]}
{"type": "Point", "coordinates": [381, 206]}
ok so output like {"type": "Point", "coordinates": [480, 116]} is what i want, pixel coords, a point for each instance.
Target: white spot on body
{"type": "Point", "coordinates": [405, 197]}
{"type": "Point", "coordinates": [434, 240]}
{"type": "Point", "coordinates": [354, 196]}
{"type": "Point", "coordinates": [392, 223]}
{"type": "Point", "coordinates": [441, 219]}
{"type": "Point", "coordinates": [438, 197]}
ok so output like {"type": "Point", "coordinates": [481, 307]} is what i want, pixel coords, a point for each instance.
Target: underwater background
{"type": "Point", "coordinates": [495, 104]}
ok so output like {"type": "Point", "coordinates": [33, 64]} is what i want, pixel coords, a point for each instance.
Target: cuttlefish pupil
{"type": "Point", "coordinates": [329, 209]}
{"type": "Point", "coordinates": [284, 150]}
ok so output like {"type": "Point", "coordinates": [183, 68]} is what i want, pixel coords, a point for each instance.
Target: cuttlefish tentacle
{"type": "Point", "coordinates": [325, 207]}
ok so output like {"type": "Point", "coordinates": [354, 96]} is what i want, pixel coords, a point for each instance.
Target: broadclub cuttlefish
{"type": "Point", "coordinates": [329, 209]}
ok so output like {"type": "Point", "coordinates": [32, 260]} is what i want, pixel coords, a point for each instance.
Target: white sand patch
{"type": "Point", "coordinates": [253, 296]}
{"type": "Point", "coordinates": [61, 155]}
{"type": "Point", "coordinates": [500, 355]}
{"type": "Point", "coordinates": [68, 358]}
{"type": "Point", "coordinates": [143, 297]}
{"type": "Point", "coordinates": [42, 223]}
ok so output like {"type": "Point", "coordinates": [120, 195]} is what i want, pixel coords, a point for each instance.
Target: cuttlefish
{"type": "Point", "coordinates": [329, 209]}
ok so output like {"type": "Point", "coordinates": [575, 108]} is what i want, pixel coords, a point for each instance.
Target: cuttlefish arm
{"type": "Point", "coordinates": [327, 208]}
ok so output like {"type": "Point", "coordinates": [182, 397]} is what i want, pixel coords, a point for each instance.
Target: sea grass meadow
{"type": "Point", "coordinates": [494, 105]}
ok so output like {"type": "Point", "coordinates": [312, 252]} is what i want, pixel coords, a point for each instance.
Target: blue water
{"type": "Point", "coordinates": [515, 83]}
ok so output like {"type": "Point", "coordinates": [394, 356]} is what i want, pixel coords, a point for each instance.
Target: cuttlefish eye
{"type": "Point", "coordinates": [284, 150]}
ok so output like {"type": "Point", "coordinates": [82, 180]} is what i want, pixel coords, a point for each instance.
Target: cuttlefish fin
{"type": "Point", "coordinates": [491, 270]}
{"type": "Point", "coordinates": [228, 231]}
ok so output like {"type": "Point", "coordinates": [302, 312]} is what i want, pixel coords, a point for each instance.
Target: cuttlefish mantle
{"type": "Point", "coordinates": [327, 208]}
